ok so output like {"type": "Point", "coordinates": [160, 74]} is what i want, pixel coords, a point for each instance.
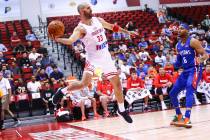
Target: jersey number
{"type": "Point", "coordinates": [100, 38]}
{"type": "Point", "coordinates": [184, 59]}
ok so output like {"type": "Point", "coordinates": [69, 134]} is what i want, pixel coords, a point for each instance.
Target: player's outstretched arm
{"type": "Point", "coordinates": [194, 43]}
{"type": "Point", "coordinates": [116, 28]}
{"type": "Point", "coordinates": [77, 34]}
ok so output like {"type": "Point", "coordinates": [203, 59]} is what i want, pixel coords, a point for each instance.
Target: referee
{"type": "Point", "coordinates": [5, 100]}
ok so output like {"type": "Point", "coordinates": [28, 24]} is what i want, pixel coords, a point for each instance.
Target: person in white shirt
{"type": "Point", "coordinates": [5, 89]}
{"type": "Point", "coordinates": [34, 88]}
{"type": "Point", "coordinates": [33, 56]}
{"type": "Point", "coordinates": [3, 48]}
{"type": "Point", "coordinates": [143, 55]}
{"type": "Point", "coordinates": [160, 59]}
{"type": "Point", "coordinates": [123, 47]}
{"type": "Point", "coordinates": [83, 98]}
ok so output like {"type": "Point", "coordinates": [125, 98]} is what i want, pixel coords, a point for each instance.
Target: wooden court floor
{"type": "Point", "coordinates": [146, 126]}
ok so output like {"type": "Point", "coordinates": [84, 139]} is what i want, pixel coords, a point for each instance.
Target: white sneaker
{"type": "Point", "coordinates": [197, 103]}
{"type": "Point", "coordinates": [164, 107]}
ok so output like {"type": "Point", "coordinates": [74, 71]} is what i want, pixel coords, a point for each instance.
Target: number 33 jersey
{"type": "Point", "coordinates": [187, 54]}
{"type": "Point", "coordinates": [95, 42]}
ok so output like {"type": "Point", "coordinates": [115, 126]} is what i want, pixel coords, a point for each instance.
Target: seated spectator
{"type": "Point", "coordinates": [206, 23]}
{"type": "Point", "coordinates": [3, 60]}
{"type": "Point", "coordinates": [33, 56]}
{"type": "Point", "coordinates": [123, 78]}
{"type": "Point", "coordinates": [192, 31]}
{"type": "Point", "coordinates": [20, 88]}
{"type": "Point", "coordinates": [14, 68]}
{"type": "Point", "coordinates": [106, 93]}
{"type": "Point", "coordinates": [56, 75]}
{"type": "Point", "coordinates": [135, 84]}
{"type": "Point", "coordinates": [165, 30]}
{"type": "Point", "coordinates": [142, 70]}
{"type": "Point", "coordinates": [153, 38]}
{"type": "Point", "coordinates": [47, 94]}
{"type": "Point", "coordinates": [143, 44]}
{"type": "Point", "coordinates": [125, 68]}
{"type": "Point", "coordinates": [148, 84]}
{"type": "Point", "coordinates": [46, 60]}
{"type": "Point", "coordinates": [34, 88]}
{"type": "Point", "coordinates": [152, 72]}
{"type": "Point", "coordinates": [29, 46]}
{"type": "Point", "coordinates": [15, 39]}
{"type": "Point", "coordinates": [160, 59]}
{"type": "Point", "coordinates": [144, 55]}
{"type": "Point", "coordinates": [130, 26]}
{"type": "Point", "coordinates": [169, 68]}
{"type": "Point", "coordinates": [30, 36]}
{"type": "Point", "coordinates": [6, 72]}
{"type": "Point", "coordinates": [3, 48]}
{"type": "Point", "coordinates": [165, 41]}
{"type": "Point", "coordinates": [163, 83]}
{"type": "Point", "coordinates": [19, 49]}
{"type": "Point", "coordinates": [207, 36]}
{"type": "Point", "coordinates": [24, 61]}
{"type": "Point", "coordinates": [82, 99]}
{"type": "Point", "coordinates": [172, 56]}
{"type": "Point", "coordinates": [122, 46]}
{"type": "Point", "coordinates": [200, 31]}
{"type": "Point", "coordinates": [41, 75]}
{"type": "Point", "coordinates": [121, 55]}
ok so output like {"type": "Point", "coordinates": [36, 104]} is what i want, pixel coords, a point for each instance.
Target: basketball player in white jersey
{"type": "Point", "coordinates": [91, 32]}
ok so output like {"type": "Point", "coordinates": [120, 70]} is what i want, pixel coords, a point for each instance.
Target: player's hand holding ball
{"type": "Point", "coordinates": [56, 29]}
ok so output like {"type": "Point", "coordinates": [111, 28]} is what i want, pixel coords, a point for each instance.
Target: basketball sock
{"type": "Point", "coordinates": [121, 107]}
{"type": "Point", "coordinates": [187, 113]}
{"type": "Point", "coordinates": [178, 111]}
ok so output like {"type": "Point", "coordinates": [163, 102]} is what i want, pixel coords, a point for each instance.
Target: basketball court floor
{"type": "Point", "coordinates": [146, 126]}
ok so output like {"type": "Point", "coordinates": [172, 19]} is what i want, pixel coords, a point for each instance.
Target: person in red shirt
{"type": "Point", "coordinates": [15, 39]}
{"type": "Point", "coordinates": [105, 92]}
{"type": "Point", "coordinates": [169, 68]}
{"type": "Point", "coordinates": [163, 84]}
{"type": "Point", "coordinates": [206, 74]}
{"type": "Point", "coordinates": [134, 83]}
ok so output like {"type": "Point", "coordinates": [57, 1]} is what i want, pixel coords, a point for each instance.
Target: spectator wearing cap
{"type": "Point", "coordinates": [206, 23]}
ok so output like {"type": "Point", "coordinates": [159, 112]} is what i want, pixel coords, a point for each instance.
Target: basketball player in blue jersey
{"type": "Point", "coordinates": [189, 50]}
{"type": "Point", "coordinates": [91, 31]}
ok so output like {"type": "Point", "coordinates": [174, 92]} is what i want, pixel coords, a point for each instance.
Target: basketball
{"type": "Point", "coordinates": [56, 28]}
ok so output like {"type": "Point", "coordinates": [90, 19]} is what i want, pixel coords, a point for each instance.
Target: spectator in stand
{"type": "Point", "coordinates": [169, 68]}
{"type": "Point", "coordinates": [135, 83]}
{"type": "Point", "coordinates": [200, 31]}
{"type": "Point", "coordinates": [15, 39]}
{"type": "Point", "coordinates": [29, 46]}
{"type": "Point", "coordinates": [34, 87]}
{"type": "Point", "coordinates": [56, 74]}
{"type": "Point", "coordinates": [24, 61]}
{"type": "Point", "coordinates": [172, 56]}
{"type": "Point", "coordinates": [6, 72]}
{"type": "Point", "coordinates": [165, 30]}
{"type": "Point", "coordinates": [146, 9]}
{"type": "Point", "coordinates": [152, 72]}
{"type": "Point", "coordinates": [206, 23]}
{"type": "Point", "coordinates": [46, 60]}
{"type": "Point", "coordinates": [82, 99]}
{"type": "Point", "coordinates": [20, 88]}
{"type": "Point", "coordinates": [207, 36]}
{"type": "Point", "coordinates": [47, 94]}
{"type": "Point", "coordinates": [41, 75]}
{"type": "Point", "coordinates": [165, 41]}
{"type": "Point", "coordinates": [106, 93]}
{"type": "Point", "coordinates": [144, 55]}
{"type": "Point", "coordinates": [19, 49]}
{"type": "Point", "coordinates": [163, 83]}
{"type": "Point", "coordinates": [130, 26]}
{"type": "Point", "coordinates": [3, 60]}
{"type": "Point", "coordinates": [148, 84]}
{"type": "Point", "coordinates": [125, 68]}
{"type": "Point", "coordinates": [192, 31]}
{"type": "Point", "coordinates": [121, 55]}
{"type": "Point", "coordinates": [14, 68]}
{"type": "Point", "coordinates": [143, 44]}
{"type": "Point", "coordinates": [160, 59]}
{"type": "Point", "coordinates": [3, 48]}
{"type": "Point", "coordinates": [30, 36]}
{"type": "Point", "coordinates": [33, 56]}
{"type": "Point", "coordinates": [122, 46]}
{"type": "Point", "coordinates": [142, 70]}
